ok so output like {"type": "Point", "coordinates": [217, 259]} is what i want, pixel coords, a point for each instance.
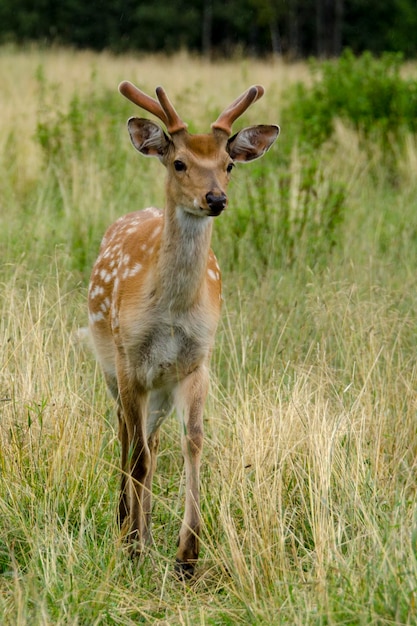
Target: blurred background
{"type": "Point", "coordinates": [293, 28]}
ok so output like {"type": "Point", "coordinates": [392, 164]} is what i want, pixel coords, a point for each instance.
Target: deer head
{"type": "Point", "coordinates": [199, 166]}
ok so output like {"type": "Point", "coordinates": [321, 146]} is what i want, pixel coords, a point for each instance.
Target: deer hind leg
{"type": "Point", "coordinates": [191, 396]}
{"type": "Point", "coordinates": [123, 512]}
{"type": "Point", "coordinates": [153, 444]}
{"type": "Point", "coordinates": [124, 443]}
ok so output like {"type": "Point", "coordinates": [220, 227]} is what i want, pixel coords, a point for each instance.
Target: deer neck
{"type": "Point", "coordinates": [184, 252]}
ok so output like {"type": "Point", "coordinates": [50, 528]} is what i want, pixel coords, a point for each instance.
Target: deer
{"type": "Point", "coordinates": [154, 302]}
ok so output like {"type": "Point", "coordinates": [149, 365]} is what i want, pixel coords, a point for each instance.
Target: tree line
{"type": "Point", "coordinates": [294, 28]}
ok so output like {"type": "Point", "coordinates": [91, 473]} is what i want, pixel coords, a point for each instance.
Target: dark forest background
{"type": "Point", "coordinates": [294, 28]}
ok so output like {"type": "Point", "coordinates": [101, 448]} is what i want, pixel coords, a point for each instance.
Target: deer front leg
{"type": "Point", "coordinates": [136, 459]}
{"type": "Point", "coordinates": [190, 400]}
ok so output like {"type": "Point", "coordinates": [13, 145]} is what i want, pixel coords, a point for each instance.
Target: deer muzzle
{"type": "Point", "coordinates": [216, 203]}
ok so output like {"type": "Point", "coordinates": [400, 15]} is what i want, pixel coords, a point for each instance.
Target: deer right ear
{"type": "Point", "coordinates": [147, 137]}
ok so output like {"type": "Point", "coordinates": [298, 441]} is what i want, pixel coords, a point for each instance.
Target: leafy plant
{"type": "Point", "coordinates": [290, 211]}
{"type": "Point", "coordinates": [367, 92]}
{"type": "Point", "coordinates": [85, 130]}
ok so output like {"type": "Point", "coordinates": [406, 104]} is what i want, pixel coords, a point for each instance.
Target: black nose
{"type": "Point", "coordinates": [216, 202]}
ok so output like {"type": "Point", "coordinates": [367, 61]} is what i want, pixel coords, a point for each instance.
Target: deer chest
{"type": "Point", "coordinates": [165, 354]}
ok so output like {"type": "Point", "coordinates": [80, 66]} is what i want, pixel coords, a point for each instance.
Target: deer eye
{"type": "Point", "coordinates": [230, 167]}
{"type": "Point", "coordinates": [180, 166]}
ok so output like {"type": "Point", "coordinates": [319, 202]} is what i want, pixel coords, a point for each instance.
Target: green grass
{"type": "Point", "coordinates": [309, 473]}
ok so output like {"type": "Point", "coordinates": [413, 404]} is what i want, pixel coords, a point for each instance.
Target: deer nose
{"type": "Point", "coordinates": [216, 202]}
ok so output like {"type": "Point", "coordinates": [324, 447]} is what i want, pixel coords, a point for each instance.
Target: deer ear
{"type": "Point", "coordinates": [147, 137]}
{"type": "Point", "coordinates": [252, 142]}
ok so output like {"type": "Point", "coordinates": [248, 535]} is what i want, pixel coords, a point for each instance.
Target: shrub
{"type": "Point", "coordinates": [365, 91]}
{"type": "Point", "coordinates": [288, 211]}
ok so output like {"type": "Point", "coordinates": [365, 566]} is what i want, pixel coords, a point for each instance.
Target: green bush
{"type": "Point", "coordinates": [287, 211]}
{"type": "Point", "coordinates": [367, 92]}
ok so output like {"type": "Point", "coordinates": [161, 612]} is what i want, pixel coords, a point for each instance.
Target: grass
{"type": "Point", "coordinates": [309, 474]}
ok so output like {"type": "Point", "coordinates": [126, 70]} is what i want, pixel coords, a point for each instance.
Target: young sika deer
{"type": "Point", "coordinates": [154, 302]}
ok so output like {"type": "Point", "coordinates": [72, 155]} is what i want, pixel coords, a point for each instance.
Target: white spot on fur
{"type": "Point", "coordinates": [212, 274]}
{"type": "Point", "coordinates": [135, 269]}
{"type": "Point", "coordinates": [96, 317]}
{"type": "Point", "coordinates": [105, 305]}
{"type": "Point", "coordinates": [156, 232]}
{"type": "Point", "coordinates": [152, 211]}
{"type": "Point", "coordinates": [98, 290]}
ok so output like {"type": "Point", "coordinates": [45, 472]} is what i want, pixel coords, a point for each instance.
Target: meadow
{"type": "Point", "coordinates": [309, 470]}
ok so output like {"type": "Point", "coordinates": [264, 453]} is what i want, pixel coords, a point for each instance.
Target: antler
{"type": "Point", "coordinates": [237, 108]}
{"type": "Point", "coordinates": [163, 109]}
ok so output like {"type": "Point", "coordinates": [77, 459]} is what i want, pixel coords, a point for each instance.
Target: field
{"type": "Point", "coordinates": [310, 462]}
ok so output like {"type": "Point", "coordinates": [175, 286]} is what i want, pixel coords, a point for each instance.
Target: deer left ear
{"type": "Point", "coordinates": [252, 142]}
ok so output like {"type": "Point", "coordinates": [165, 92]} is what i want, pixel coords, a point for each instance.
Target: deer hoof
{"type": "Point", "coordinates": [184, 570]}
